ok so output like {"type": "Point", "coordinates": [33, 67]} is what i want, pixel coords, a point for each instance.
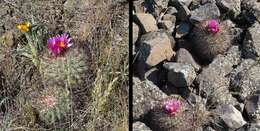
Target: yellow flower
{"type": "Point", "coordinates": [24, 27]}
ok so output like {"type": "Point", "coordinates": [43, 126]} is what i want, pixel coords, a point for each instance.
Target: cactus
{"type": "Point", "coordinates": [66, 70]}
{"type": "Point", "coordinates": [183, 120]}
{"type": "Point", "coordinates": [52, 104]}
{"type": "Point", "coordinates": [210, 39]}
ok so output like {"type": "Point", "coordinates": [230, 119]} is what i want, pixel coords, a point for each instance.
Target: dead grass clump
{"type": "Point", "coordinates": [100, 101]}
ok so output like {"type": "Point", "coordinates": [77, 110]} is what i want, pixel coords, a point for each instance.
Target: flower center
{"type": "Point", "coordinates": [62, 44]}
{"type": "Point", "coordinates": [49, 101]}
{"type": "Point", "coordinates": [173, 107]}
{"type": "Point", "coordinates": [213, 26]}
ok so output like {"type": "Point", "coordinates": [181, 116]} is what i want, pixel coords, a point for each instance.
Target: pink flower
{"type": "Point", "coordinates": [213, 26]}
{"type": "Point", "coordinates": [173, 107]}
{"type": "Point", "coordinates": [49, 101]}
{"type": "Point", "coordinates": [59, 43]}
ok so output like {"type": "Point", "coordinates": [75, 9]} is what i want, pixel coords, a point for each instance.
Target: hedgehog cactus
{"type": "Point", "coordinates": [173, 114]}
{"type": "Point", "coordinates": [210, 39]}
{"type": "Point", "coordinates": [67, 70]}
{"type": "Point", "coordinates": [52, 104]}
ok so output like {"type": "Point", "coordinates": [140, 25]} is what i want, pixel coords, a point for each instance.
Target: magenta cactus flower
{"type": "Point", "coordinates": [173, 107]}
{"type": "Point", "coordinates": [213, 26]}
{"type": "Point", "coordinates": [59, 43]}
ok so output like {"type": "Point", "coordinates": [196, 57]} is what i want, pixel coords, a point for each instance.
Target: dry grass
{"type": "Point", "coordinates": [101, 103]}
{"type": "Point", "coordinates": [110, 92]}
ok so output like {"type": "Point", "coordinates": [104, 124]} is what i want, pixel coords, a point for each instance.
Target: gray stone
{"type": "Point", "coordinates": [245, 79]}
{"type": "Point", "coordinates": [135, 37]}
{"type": "Point", "coordinates": [169, 17]}
{"type": "Point", "coordinates": [184, 56]}
{"type": "Point", "coordinates": [182, 30]}
{"type": "Point", "coordinates": [213, 82]}
{"type": "Point", "coordinates": [195, 99]}
{"type": "Point", "coordinates": [232, 6]}
{"type": "Point", "coordinates": [179, 2]}
{"type": "Point", "coordinates": [223, 64]}
{"type": "Point", "coordinates": [253, 6]}
{"type": "Point", "coordinates": [138, 6]}
{"type": "Point", "coordinates": [251, 44]}
{"type": "Point", "coordinates": [204, 12]}
{"type": "Point", "coordinates": [167, 22]}
{"type": "Point", "coordinates": [146, 22]}
{"type": "Point", "coordinates": [146, 96]}
{"type": "Point", "coordinates": [208, 128]}
{"type": "Point", "coordinates": [162, 3]}
{"type": "Point", "coordinates": [156, 47]}
{"type": "Point", "coordinates": [171, 10]}
{"type": "Point", "coordinates": [254, 127]}
{"type": "Point", "coordinates": [231, 116]}
{"type": "Point", "coordinates": [183, 12]}
{"type": "Point", "coordinates": [135, 33]}
{"type": "Point", "coordinates": [203, 2]}
{"type": "Point", "coordinates": [156, 76]}
{"type": "Point", "coordinates": [236, 33]}
{"type": "Point", "coordinates": [167, 25]}
{"type": "Point", "coordinates": [139, 126]}
{"type": "Point", "coordinates": [179, 74]}
{"type": "Point", "coordinates": [252, 107]}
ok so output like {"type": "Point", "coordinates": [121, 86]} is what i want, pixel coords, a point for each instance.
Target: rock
{"type": "Point", "coordinates": [139, 126]}
{"type": "Point", "coordinates": [240, 107]}
{"type": "Point", "coordinates": [135, 33]}
{"type": "Point", "coordinates": [186, 44]}
{"type": "Point", "coordinates": [223, 64]}
{"type": "Point", "coordinates": [151, 7]}
{"type": "Point", "coordinates": [135, 37]}
{"type": "Point", "coordinates": [179, 2]}
{"type": "Point", "coordinates": [194, 99]}
{"type": "Point", "coordinates": [156, 47]}
{"type": "Point", "coordinates": [169, 17]}
{"type": "Point", "coordinates": [203, 2]}
{"type": "Point", "coordinates": [204, 12]}
{"type": "Point", "coordinates": [213, 82]}
{"type": "Point", "coordinates": [145, 97]}
{"type": "Point", "coordinates": [167, 22]}
{"type": "Point", "coordinates": [179, 74]}
{"type": "Point", "coordinates": [232, 6]}
{"type": "Point", "coordinates": [138, 6]}
{"type": "Point", "coordinates": [183, 12]}
{"type": "Point", "coordinates": [253, 7]}
{"type": "Point", "coordinates": [146, 22]}
{"type": "Point", "coordinates": [183, 29]}
{"type": "Point", "coordinates": [231, 116]}
{"type": "Point", "coordinates": [252, 106]}
{"type": "Point", "coordinates": [251, 44]}
{"type": "Point", "coordinates": [171, 10]}
{"type": "Point", "coordinates": [254, 127]}
{"type": "Point", "coordinates": [245, 79]}
{"type": "Point", "coordinates": [167, 25]}
{"type": "Point", "coordinates": [195, 4]}
{"type": "Point", "coordinates": [208, 128]}
{"type": "Point", "coordinates": [236, 33]}
{"type": "Point", "coordinates": [156, 75]}
{"type": "Point", "coordinates": [184, 56]}
{"type": "Point", "coordinates": [162, 3]}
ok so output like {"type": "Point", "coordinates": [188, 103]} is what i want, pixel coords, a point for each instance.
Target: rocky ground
{"type": "Point", "coordinates": [47, 96]}
{"type": "Point", "coordinates": [222, 94]}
